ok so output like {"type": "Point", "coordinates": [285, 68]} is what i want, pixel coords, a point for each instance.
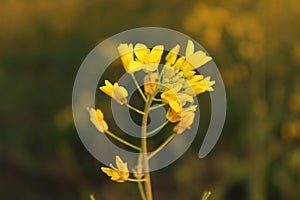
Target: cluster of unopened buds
{"type": "Point", "coordinates": [173, 84]}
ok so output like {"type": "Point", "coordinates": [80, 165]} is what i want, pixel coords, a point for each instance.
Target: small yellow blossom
{"type": "Point", "coordinates": [170, 98]}
{"type": "Point", "coordinates": [175, 100]}
{"type": "Point", "coordinates": [197, 85]}
{"type": "Point", "coordinates": [172, 55]}
{"type": "Point", "coordinates": [173, 116]}
{"type": "Point", "coordinates": [97, 118]}
{"type": "Point", "coordinates": [150, 83]}
{"type": "Point", "coordinates": [146, 59]}
{"type": "Point", "coordinates": [194, 60]}
{"type": "Point", "coordinates": [115, 91]}
{"type": "Point", "coordinates": [187, 119]}
{"type": "Point", "coordinates": [119, 174]}
{"type": "Point", "coordinates": [127, 56]}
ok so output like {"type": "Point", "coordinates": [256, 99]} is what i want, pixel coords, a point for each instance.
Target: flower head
{"type": "Point", "coordinates": [127, 56]}
{"type": "Point", "coordinates": [194, 60]}
{"type": "Point", "coordinates": [198, 84]}
{"type": "Point", "coordinates": [172, 55]}
{"type": "Point", "coordinates": [115, 91]}
{"type": "Point", "coordinates": [175, 99]}
{"type": "Point", "coordinates": [147, 59]}
{"type": "Point", "coordinates": [187, 119]}
{"type": "Point", "coordinates": [97, 118]}
{"type": "Point", "coordinates": [119, 174]}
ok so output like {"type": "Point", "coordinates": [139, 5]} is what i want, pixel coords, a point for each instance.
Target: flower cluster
{"type": "Point", "coordinates": [174, 85]}
{"type": "Point", "coordinates": [178, 82]}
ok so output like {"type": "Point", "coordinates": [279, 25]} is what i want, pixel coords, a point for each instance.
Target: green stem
{"type": "Point", "coordinates": [148, 187]}
{"type": "Point", "coordinates": [160, 127]}
{"type": "Point", "coordinates": [155, 99]}
{"type": "Point", "coordinates": [157, 106]}
{"type": "Point", "coordinates": [167, 141]}
{"type": "Point", "coordinates": [136, 180]}
{"type": "Point", "coordinates": [138, 87]}
{"type": "Point", "coordinates": [135, 109]}
{"type": "Point", "coordinates": [122, 141]}
{"type": "Point", "coordinates": [141, 189]}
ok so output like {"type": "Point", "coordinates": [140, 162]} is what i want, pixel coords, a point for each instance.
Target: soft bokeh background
{"type": "Point", "coordinates": [256, 45]}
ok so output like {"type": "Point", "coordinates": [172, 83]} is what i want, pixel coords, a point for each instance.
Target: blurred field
{"type": "Point", "coordinates": [256, 45]}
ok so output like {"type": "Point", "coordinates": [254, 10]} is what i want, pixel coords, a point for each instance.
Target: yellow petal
{"type": "Point", "coordinates": [189, 49]}
{"type": "Point", "coordinates": [188, 74]}
{"type": "Point", "coordinates": [173, 116]}
{"type": "Point", "coordinates": [175, 105]}
{"type": "Point", "coordinates": [120, 95]}
{"type": "Point", "coordinates": [107, 89]}
{"type": "Point", "coordinates": [198, 59]}
{"type": "Point", "coordinates": [97, 118]}
{"type": "Point", "coordinates": [151, 67]}
{"type": "Point", "coordinates": [135, 66]}
{"type": "Point", "coordinates": [156, 53]}
{"type": "Point", "coordinates": [122, 166]}
{"type": "Point", "coordinates": [108, 171]}
{"type": "Point", "coordinates": [142, 52]}
{"type": "Point", "coordinates": [178, 64]}
{"type": "Point", "coordinates": [172, 55]}
{"type": "Point", "coordinates": [126, 52]}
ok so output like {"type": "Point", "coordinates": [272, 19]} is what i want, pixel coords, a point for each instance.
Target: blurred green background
{"type": "Point", "coordinates": [256, 45]}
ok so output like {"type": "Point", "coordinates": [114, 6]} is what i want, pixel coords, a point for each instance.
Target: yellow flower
{"type": "Point", "coordinates": [173, 116]}
{"type": "Point", "coordinates": [172, 55]}
{"type": "Point", "coordinates": [150, 83]}
{"type": "Point", "coordinates": [175, 100]}
{"type": "Point", "coordinates": [170, 98]}
{"type": "Point", "coordinates": [127, 56]}
{"type": "Point", "coordinates": [119, 174]}
{"type": "Point", "coordinates": [197, 85]}
{"type": "Point", "coordinates": [194, 60]}
{"type": "Point", "coordinates": [187, 119]}
{"type": "Point", "coordinates": [97, 118]}
{"type": "Point", "coordinates": [115, 91]}
{"type": "Point", "coordinates": [146, 59]}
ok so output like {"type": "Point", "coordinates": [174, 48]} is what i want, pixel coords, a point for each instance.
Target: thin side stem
{"type": "Point", "coordinates": [167, 141]}
{"type": "Point", "coordinates": [136, 180]}
{"type": "Point", "coordinates": [135, 109]}
{"type": "Point", "coordinates": [138, 87]}
{"type": "Point", "coordinates": [155, 99]}
{"type": "Point", "coordinates": [160, 127]}
{"type": "Point", "coordinates": [157, 106]}
{"type": "Point", "coordinates": [123, 141]}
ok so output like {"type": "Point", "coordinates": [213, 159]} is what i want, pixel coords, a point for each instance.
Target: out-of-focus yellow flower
{"type": "Point", "coordinates": [97, 118]}
{"type": "Point", "coordinates": [197, 85]}
{"type": "Point", "coordinates": [119, 174]}
{"type": "Point", "coordinates": [146, 59]}
{"type": "Point", "coordinates": [194, 60]}
{"type": "Point", "coordinates": [127, 56]}
{"type": "Point", "coordinates": [115, 91]}
{"type": "Point", "coordinates": [92, 197]}
{"type": "Point", "coordinates": [187, 119]}
{"type": "Point", "coordinates": [150, 83]}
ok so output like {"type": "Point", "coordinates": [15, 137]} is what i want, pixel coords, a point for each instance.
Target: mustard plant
{"type": "Point", "coordinates": [174, 87]}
